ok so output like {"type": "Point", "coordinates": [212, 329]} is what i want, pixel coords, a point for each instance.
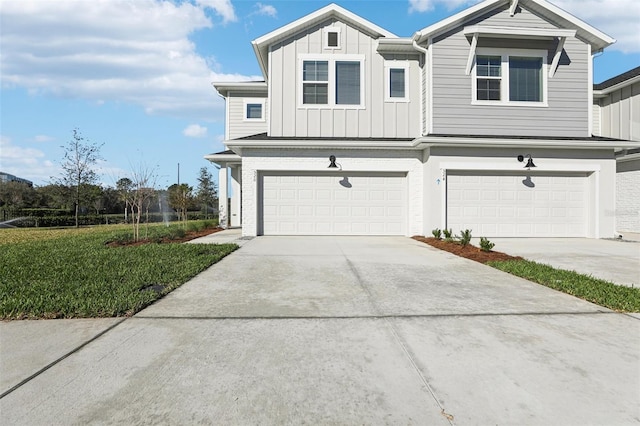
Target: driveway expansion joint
{"type": "Point", "coordinates": [60, 359]}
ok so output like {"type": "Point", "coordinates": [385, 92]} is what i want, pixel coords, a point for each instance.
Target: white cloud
{"type": "Point", "coordinates": [27, 163]}
{"type": "Point", "coordinates": [223, 8]}
{"type": "Point", "coordinates": [266, 9]}
{"type": "Point", "coordinates": [43, 138]}
{"type": "Point", "coordinates": [195, 131]}
{"type": "Point", "coordinates": [135, 52]}
{"type": "Point", "coordinates": [428, 5]}
{"type": "Point", "coordinates": [619, 19]}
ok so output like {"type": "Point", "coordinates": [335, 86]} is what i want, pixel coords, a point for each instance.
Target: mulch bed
{"type": "Point", "coordinates": [189, 235]}
{"type": "Point", "coordinates": [470, 251]}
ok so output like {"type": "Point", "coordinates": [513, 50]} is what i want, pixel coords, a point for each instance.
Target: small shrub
{"type": "Point", "coordinates": [437, 234]}
{"type": "Point", "coordinates": [465, 237]}
{"type": "Point", "coordinates": [448, 234]}
{"type": "Point", "coordinates": [485, 244]}
{"type": "Point", "coordinates": [192, 227]}
{"type": "Point", "coordinates": [176, 233]}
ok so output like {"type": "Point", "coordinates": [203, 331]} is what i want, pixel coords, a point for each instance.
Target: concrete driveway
{"type": "Point", "coordinates": [351, 330]}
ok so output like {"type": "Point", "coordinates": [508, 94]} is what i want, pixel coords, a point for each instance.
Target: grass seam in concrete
{"type": "Point", "coordinates": [63, 357]}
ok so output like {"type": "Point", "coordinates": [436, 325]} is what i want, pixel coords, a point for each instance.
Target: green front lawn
{"type": "Point", "coordinates": [74, 274]}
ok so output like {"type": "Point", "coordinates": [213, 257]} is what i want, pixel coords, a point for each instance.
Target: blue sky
{"type": "Point", "coordinates": [136, 74]}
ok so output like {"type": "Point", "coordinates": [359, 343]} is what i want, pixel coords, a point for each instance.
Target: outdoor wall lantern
{"type": "Point", "coordinates": [529, 161]}
{"type": "Point", "coordinates": [332, 162]}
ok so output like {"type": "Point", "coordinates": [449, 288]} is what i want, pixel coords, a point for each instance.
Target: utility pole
{"type": "Point", "coordinates": [178, 174]}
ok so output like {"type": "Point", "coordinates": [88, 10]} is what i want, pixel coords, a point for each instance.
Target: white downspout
{"type": "Point", "coordinates": [423, 102]}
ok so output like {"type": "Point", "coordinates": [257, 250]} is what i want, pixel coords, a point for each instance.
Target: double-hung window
{"type": "Point", "coordinates": [315, 82]}
{"type": "Point", "coordinates": [331, 80]}
{"type": "Point", "coordinates": [510, 77]}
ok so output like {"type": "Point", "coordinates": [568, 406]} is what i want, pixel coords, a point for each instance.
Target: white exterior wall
{"type": "Point", "coordinates": [599, 164]}
{"type": "Point", "coordinates": [620, 113]}
{"type": "Point", "coordinates": [628, 196]}
{"type": "Point", "coordinates": [255, 161]}
{"type": "Point", "coordinates": [238, 126]}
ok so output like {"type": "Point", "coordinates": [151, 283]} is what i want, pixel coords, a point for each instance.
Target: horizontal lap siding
{"type": "Point", "coordinates": [237, 126]}
{"type": "Point", "coordinates": [566, 115]}
{"type": "Point", "coordinates": [376, 119]}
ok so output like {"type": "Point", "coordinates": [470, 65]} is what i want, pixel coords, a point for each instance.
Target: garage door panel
{"type": "Point", "coordinates": [509, 205]}
{"type": "Point", "coordinates": [337, 204]}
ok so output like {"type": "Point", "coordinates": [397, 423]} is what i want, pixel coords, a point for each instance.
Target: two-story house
{"type": "Point", "coordinates": [482, 121]}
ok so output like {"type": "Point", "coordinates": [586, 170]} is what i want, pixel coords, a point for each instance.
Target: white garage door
{"type": "Point", "coordinates": [518, 205]}
{"type": "Point", "coordinates": [336, 204]}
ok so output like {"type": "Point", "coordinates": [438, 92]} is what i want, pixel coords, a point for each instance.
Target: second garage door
{"type": "Point", "coordinates": [333, 204]}
{"type": "Point", "coordinates": [517, 204]}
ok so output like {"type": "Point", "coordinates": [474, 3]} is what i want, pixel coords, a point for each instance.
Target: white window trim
{"type": "Point", "coordinates": [504, 86]}
{"type": "Point", "coordinates": [325, 37]}
{"type": "Point", "coordinates": [247, 101]}
{"type": "Point", "coordinates": [331, 84]}
{"type": "Point", "coordinates": [388, 66]}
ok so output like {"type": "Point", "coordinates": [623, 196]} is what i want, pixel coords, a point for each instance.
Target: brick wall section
{"type": "Point", "coordinates": [628, 197]}
{"type": "Point", "coordinates": [255, 161]}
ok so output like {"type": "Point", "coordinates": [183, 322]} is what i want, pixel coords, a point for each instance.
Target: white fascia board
{"type": "Point", "coordinates": [224, 87]}
{"type": "Point", "coordinates": [391, 45]}
{"type": "Point", "coordinates": [513, 7]}
{"type": "Point", "coordinates": [604, 38]}
{"type": "Point", "coordinates": [455, 20]}
{"type": "Point", "coordinates": [223, 158]}
{"type": "Point", "coordinates": [522, 143]}
{"type": "Point", "coordinates": [518, 32]}
{"type": "Point", "coordinates": [622, 84]}
{"type": "Point", "coordinates": [238, 145]}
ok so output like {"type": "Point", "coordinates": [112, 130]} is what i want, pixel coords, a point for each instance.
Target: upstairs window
{"type": "Point", "coordinates": [525, 79]}
{"type": "Point", "coordinates": [508, 77]}
{"type": "Point", "coordinates": [315, 87]}
{"type": "Point", "coordinates": [253, 109]}
{"type": "Point", "coordinates": [347, 83]}
{"type": "Point", "coordinates": [489, 72]}
{"type": "Point", "coordinates": [331, 80]}
{"type": "Point", "coordinates": [397, 81]}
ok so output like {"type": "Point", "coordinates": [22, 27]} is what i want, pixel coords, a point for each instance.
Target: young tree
{"type": "Point", "coordinates": [78, 166]}
{"type": "Point", "coordinates": [180, 198]}
{"type": "Point", "coordinates": [124, 186]}
{"type": "Point", "coordinates": [206, 193]}
{"type": "Point", "coordinates": [138, 192]}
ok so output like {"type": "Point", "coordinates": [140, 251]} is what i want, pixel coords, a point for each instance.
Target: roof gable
{"type": "Point", "coordinates": [261, 44]}
{"type": "Point", "coordinates": [553, 14]}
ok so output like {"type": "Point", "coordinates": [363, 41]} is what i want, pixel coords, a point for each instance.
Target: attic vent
{"type": "Point", "coordinates": [332, 38]}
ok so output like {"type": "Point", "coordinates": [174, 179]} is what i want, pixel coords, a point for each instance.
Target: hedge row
{"type": "Point", "coordinates": [89, 220]}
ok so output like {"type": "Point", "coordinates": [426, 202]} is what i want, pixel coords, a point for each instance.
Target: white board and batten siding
{"type": "Point", "coordinates": [620, 113]}
{"type": "Point", "coordinates": [376, 119]}
{"type": "Point", "coordinates": [567, 113]}
{"type": "Point", "coordinates": [334, 204]}
{"type": "Point", "coordinates": [517, 204]}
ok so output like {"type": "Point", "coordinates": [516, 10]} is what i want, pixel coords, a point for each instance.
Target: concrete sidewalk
{"type": "Point", "coordinates": [353, 330]}
{"type": "Point", "coordinates": [611, 260]}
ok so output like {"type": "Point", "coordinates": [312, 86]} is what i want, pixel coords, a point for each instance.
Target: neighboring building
{"type": "Point", "coordinates": [482, 121]}
{"type": "Point", "coordinates": [616, 114]}
{"type": "Point", "coordinates": [6, 177]}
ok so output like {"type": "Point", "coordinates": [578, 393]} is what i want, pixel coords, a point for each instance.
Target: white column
{"type": "Point", "coordinates": [236, 181]}
{"type": "Point", "coordinates": [223, 196]}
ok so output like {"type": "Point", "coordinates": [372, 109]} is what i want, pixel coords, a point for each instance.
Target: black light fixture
{"type": "Point", "coordinates": [529, 161]}
{"type": "Point", "coordinates": [332, 162]}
